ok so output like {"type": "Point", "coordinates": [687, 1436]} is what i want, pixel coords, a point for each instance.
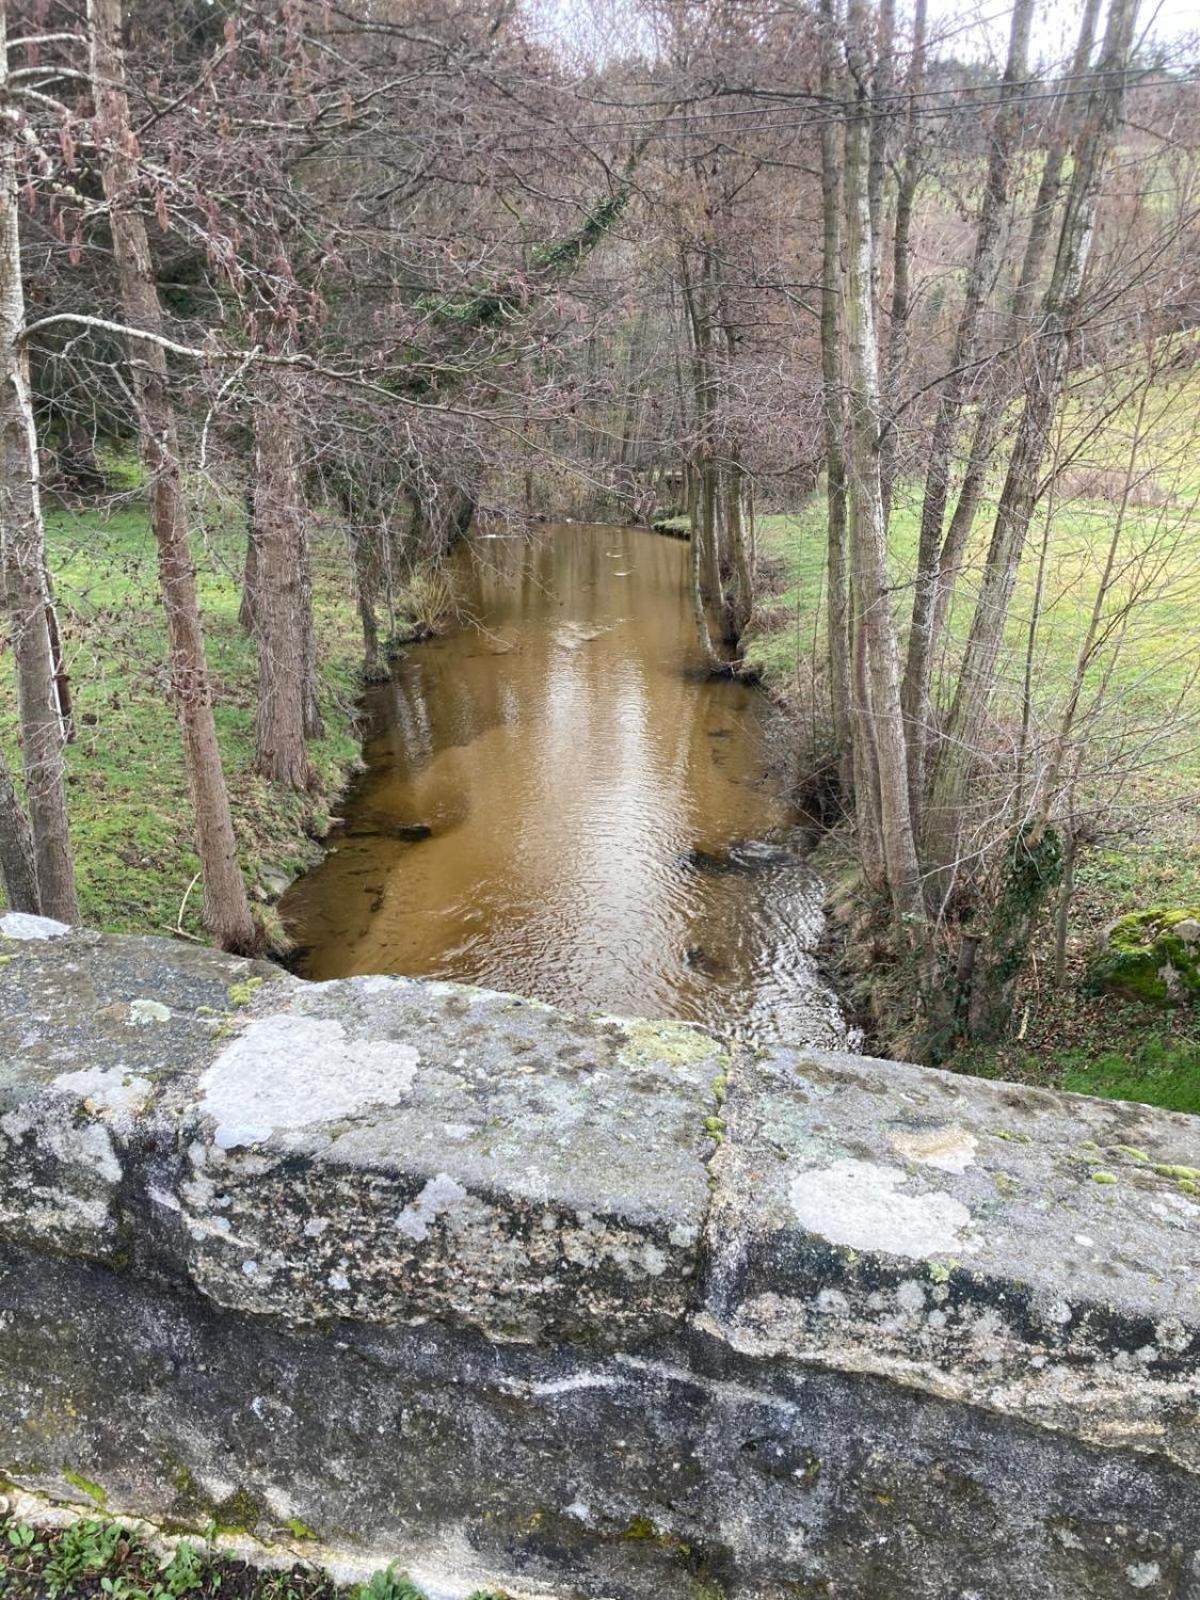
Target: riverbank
{"type": "Point", "coordinates": [127, 787]}
{"type": "Point", "coordinates": [1148, 853]}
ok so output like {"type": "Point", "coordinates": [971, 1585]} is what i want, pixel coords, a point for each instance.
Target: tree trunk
{"type": "Point", "coordinates": [279, 606]}
{"type": "Point", "coordinates": [1006, 371]}
{"type": "Point", "coordinates": [834, 405]}
{"type": "Point", "coordinates": [77, 460]}
{"type": "Point", "coordinates": [250, 570]}
{"type": "Point", "coordinates": [365, 585]}
{"type": "Point", "coordinates": [919, 664]}
{"type": "Point", "coordinates": [906, 194]}
{"type": "Point", "coordinates": [739, 602]}
{"type": "Point", "coordinates": [226, 907]}
{"type": "Point", "coordinates": [868, 535]}
{"type": "Point", "coordinates": [883, 110]}
{"type": "Point", "coordinates": [17, 869]}
{"type": "Point", "coordinates": [23, 570]}
{"type": "Point", "coordinates": [706, 564]}
{"type": "Point", "coordinates": [957, 761]}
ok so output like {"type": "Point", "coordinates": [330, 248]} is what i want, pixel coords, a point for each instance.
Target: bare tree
{"type": "Point", "coordinates": [226, 907]}
{"type": "Point", "coordinates": [868, 534]}
{"type": "Point", "coordinates": [1060, 307]}
{"type": "Point", "coordinates": [915, 693]}
{"type": "Point", "coordinates": [23, 571]}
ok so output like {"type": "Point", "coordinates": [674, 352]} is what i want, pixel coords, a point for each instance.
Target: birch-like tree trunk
{"type": "Point", "coordinates": [226, 907]}
{"type": "Point", "coordinates": [906, 194]}
{"type": "Point", "coordinates": [982, 271]}
{"type": "Point", "coordinates": [833, 402]}
{"type": "Point", "coordinates": [957, 760]}
{"type": "Point", "coordinates": [868, 534]}
{"type": "Point", "coordinates": [23, 573]}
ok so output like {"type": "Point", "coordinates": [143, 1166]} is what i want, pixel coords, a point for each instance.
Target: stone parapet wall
{"type": "Point", "coordinates": [584, 1306]}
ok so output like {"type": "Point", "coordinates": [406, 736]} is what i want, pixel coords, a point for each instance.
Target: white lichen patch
{"type": "Point", "coordinates": [145, 1013]}
{"type": "Point", "coordinates": [293, 1072]}
{"type": "Point", "coordinates": [1142, 1574]}
{"type": "Point", "coordinates": [949, 1149]}
{"type": "Point", "coordinates": [109, 1090]}
{"type": "Point", "coordinates": [22, 925]}
{"type": "Point", "coordinates": [860, 1204]}
{"type": "Point", "coordinates": [439, 1194]}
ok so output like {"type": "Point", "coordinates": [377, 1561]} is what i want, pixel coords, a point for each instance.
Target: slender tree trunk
{"type": "Point", "coordinates": [863, 764]}
{"type": "Point", "coordinates": [77, 459]}
{"type": "Point", "coordinates": [365, 585]}
{"type": "Point", "coordinates": [906, 194]}
{"type": "Point", "coordinates": [279, 607]}
{"type": "Point", "coordinates": [314, 723]}
{"type": "Point", "coordinates": [1005, 374]}
{"type": "Point", "coordinates": [957, 761]}
{"type": "Point", "coordinates": [1066, 893]}
{"type": "Point", "coordinates": [250, 569]}
{"type": "Point", "coordinates": [883, 112]}
{"type": "Point", "coordinates": [919, 664]}
{"type": "Point", "coordinates": [23, 567]}
{"type": "Point", "coordinates": [226, 907]}
{"type": "Point", "coordinates": [868, 535]}
{"type": "Point", "coordinates": [834, 405]}
{"type": "Point", "coordinates": [705, 524]}
{"type": "Point", "coordinates": [740, 601]}
{"type": "Point", "coordinates": [17, 869]}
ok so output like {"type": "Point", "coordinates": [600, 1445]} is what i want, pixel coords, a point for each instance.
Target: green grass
{"type": "Point", "coordinates": [127, 790]}
{"type": "Point", "coordinates": [1161, 1072]}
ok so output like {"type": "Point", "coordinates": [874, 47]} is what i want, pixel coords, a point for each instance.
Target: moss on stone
{"type": "Point", "coordinates": [239, 1512]}
{"type": "Point", "coordinates": [85, 1486]}
{"type": "Point", "coordinates": [649, 1044]}
{"type": "Point", "coordinates": [641, 1529]}
{"type": "Point", "coordinates": [1152, 956]}
{"type": "Point", "coordinates": [241, 994]}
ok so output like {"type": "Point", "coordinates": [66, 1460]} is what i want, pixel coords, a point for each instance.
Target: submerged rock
{"type": "Point", "coordinates": [745, 857]}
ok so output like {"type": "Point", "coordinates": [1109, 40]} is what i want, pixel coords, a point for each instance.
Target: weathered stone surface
{"type": "Point", "coordinates": [1034, 1253]}
{"type": "Point", "coordinates": [375, 1148]}
{"type": "Point", "coordinates": [448, 1277]}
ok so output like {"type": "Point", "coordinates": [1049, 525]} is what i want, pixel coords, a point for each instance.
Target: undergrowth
{"type": "Point", "coordinates": [97, 1559]}
{"type": "Point", "coordinates": [1144, 764]}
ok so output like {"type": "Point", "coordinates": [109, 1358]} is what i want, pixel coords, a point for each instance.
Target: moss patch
{"type": "Point", "coordinates": [1152, 956]}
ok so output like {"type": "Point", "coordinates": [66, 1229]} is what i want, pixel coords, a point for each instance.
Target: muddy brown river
{"type": "Point", "coordinates": [558, 802]}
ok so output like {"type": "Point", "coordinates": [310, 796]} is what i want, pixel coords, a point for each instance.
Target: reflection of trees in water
{"type": "Point", "coordinates": [568, 755]}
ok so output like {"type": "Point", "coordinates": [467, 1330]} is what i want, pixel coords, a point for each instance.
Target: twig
{"type": "Point", "coordinates": [179, 928]}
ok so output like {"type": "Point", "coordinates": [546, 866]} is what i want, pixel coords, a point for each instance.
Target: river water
{"type": "Point", "coordinates": [603, 833]}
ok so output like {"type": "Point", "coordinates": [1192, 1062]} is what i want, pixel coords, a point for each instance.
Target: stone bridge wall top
{"type": "Point", "coordinates": [603, 1306]}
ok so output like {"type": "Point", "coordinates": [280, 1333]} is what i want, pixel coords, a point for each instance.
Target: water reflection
{"type": "Point", "coordinates": [600, 832]}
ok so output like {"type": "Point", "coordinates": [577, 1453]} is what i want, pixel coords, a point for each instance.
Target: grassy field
{"type": "Point", "coordinates": [127, 789]}
{"type": "Point", "coordinates": [1141, 782]}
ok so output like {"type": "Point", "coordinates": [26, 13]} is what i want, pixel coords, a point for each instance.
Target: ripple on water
{"type": "Point", "coordinates": [558, 802]}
